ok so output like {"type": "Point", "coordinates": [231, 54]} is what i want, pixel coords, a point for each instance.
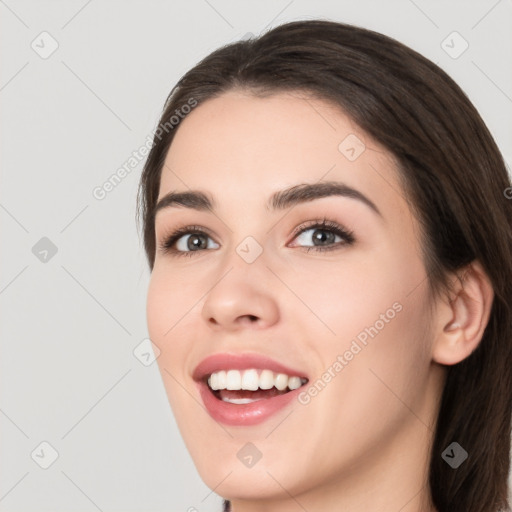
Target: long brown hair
{"type": "Point", "coordinates": [454, 178]}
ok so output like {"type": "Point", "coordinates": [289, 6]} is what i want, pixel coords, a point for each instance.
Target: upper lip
{"type": "Point", "coordinates": [232, 361]}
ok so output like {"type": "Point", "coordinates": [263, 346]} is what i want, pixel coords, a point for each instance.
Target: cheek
{"type": "Point", "coordinates": [378, 351]}
{"type": "Point", "coordinates": [166, 314]}
{"type": "Point", "coordinates": [377, 314]}
{"type": "Point", "coordinates": [341, 298]}
{"type": "Point", "coordinates": [155, 309]}
{"type": "Point", "coordinates": [169, 311]}
{"type": "Point", "coordinates": [381, 382]}
{"type": "Point", "coordinates": [169, 302]}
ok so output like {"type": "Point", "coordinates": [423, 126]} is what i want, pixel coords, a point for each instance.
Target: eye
{"type": "Point", "coordinates": [188, 240]}
{"type": "Point", "coordinates": [324, 234]}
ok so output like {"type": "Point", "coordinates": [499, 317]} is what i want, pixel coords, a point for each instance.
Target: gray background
{"type": "Point", "coordinates": [72, 320]}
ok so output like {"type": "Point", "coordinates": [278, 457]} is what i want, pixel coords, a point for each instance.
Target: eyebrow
{"type": "Point", "coordinates": [280, 200]}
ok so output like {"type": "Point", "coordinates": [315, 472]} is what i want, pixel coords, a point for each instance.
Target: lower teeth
{"type": "Point", "coordinates": [241, 401]}
{"type": "Point", "coordinates": [242, 396]}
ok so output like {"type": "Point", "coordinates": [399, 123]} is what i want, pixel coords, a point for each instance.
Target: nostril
{"type": "Point", "coordinates": [248, 319]}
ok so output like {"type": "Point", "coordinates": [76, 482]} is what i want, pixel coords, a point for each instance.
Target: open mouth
{"type": "Point", "coordinates": [246, 386]}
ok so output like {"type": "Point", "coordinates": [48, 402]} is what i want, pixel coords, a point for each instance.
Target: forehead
{"type": "Point", "coordinates": [240, 147]}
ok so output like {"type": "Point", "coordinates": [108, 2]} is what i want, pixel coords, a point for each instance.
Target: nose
{"type": "Point", "coordinates": [242, 297]}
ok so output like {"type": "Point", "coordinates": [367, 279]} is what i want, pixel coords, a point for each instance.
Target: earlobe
{"type": "Point", "coordinates": [463, 319]}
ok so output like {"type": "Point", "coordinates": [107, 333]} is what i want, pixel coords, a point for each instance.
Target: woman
{"type": "Point", "coordinates": [326, 221]}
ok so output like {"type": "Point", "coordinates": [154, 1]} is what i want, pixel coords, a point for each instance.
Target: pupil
{"type": "Point", "coordinates": [320, 236]}
{"type": "Point", "coordinates": [194, 242]}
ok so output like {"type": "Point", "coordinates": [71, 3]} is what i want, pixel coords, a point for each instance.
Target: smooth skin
{"type": "Point", "coordinates": [362, 443]}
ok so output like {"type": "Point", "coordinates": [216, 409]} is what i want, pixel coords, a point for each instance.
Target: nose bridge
{"type": "Point", "coordinates": [249, 256]}
{"type": "Point", "coordinates": [247, 239]}
{"type": "Point", "coordinates": [250, 250]}
{"type": "Point", "coordinates": [241, 292]}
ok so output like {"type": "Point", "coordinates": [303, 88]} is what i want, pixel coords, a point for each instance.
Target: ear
{"type": "Point", "coordinates": [462, 317]}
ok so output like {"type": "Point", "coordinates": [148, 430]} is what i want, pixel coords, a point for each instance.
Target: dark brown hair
{"type": "Point", "coordinates": [454, 177]}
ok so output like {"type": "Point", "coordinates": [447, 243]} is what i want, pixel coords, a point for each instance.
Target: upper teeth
{"type": "Point", "coordinates": [251, 380]}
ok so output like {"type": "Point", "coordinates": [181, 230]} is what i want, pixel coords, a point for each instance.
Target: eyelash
{"type": "Point", "coordinates": [325, 225]}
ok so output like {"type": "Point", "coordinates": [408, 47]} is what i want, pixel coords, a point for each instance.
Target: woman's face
{"type": "Point", "coordinates": [352, 318]}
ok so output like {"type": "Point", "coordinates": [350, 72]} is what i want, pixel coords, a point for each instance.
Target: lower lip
{"type": "Point", "coordinates": [244, 414]}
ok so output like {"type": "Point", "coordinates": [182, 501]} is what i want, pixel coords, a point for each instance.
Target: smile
{"type": "Point", "coordinates": [245, 389]}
